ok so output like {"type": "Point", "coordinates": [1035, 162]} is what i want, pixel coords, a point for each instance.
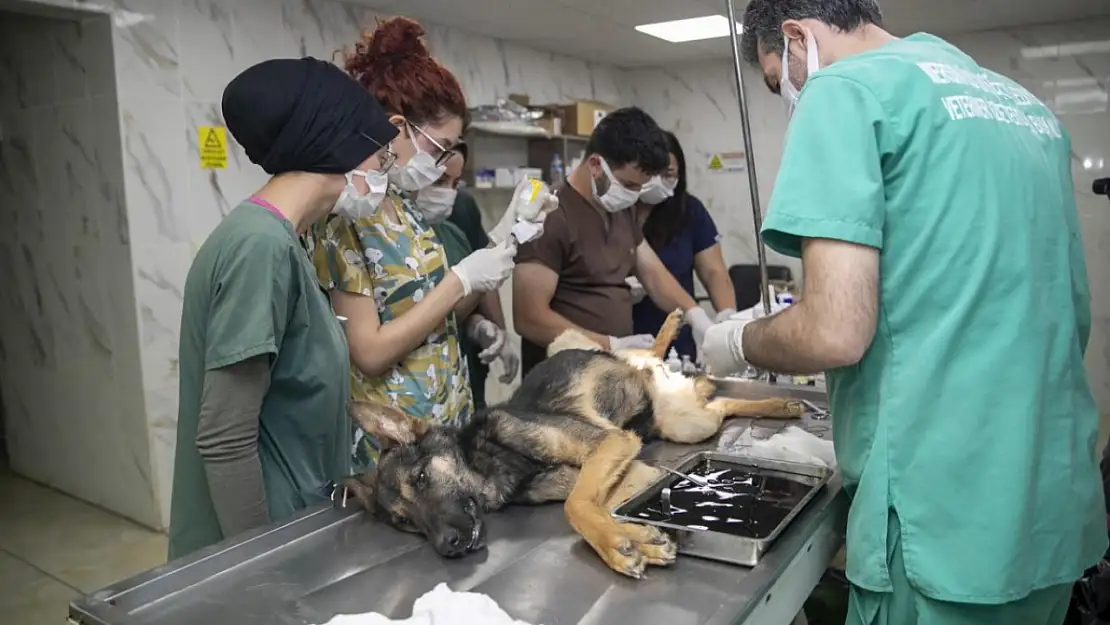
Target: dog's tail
{"type": "Point", "coordinates": [572, 339]}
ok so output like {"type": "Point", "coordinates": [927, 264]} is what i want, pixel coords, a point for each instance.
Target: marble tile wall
{"type": "Point", "coordinates": [69, 348]}
{"type": "Point", "coordinates": [698, 101]}
{"type": "Point", "coordinates": [172, 61]}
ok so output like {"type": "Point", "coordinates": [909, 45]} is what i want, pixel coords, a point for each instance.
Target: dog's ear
{"type": "Point", "coordinates": [362, 487]}
{"type": "Point", "coordinates": [388, 425]}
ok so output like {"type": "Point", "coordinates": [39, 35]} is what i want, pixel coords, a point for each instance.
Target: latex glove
{"type": "Point", "coordinates": [757, 312]}
{"type": "Point", "coordinates": [520, 207]}
{"type": "Point", "coordinates": [636, 341]}
{"type": "Point", "coordinates": [485, 270]}
{"type": "Point", "coordinates": [724, 315]}
{"type": "Point", "coordinates": [510, 360]}
{"type": "Point", "coordinates": [486, 335]}
{"type": "Point", "coordinates": [699, 322]}
{"type": "Point", "coordinates": [723, 348]}
{"type": "Point", "coordinates": [637, 289]}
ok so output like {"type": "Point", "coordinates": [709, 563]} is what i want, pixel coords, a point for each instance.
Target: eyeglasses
{"type": "Point", "coordinates": [444, 154]}
{"type": "Point", "coordinates": [387, 158]}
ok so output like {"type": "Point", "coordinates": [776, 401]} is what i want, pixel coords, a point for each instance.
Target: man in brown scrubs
{"type": "Point", "coordinates": [574, 275]}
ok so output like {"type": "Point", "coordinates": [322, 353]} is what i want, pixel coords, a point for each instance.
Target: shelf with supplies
{"type": "Point", "coordinates": [501, 154]}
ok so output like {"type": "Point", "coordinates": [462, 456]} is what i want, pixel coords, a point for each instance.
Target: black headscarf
{"type": "Point", "coordinates": [304, 115]}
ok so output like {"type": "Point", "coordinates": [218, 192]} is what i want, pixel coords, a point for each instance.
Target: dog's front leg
{"type": "Point", "coordinates": [585, 507]}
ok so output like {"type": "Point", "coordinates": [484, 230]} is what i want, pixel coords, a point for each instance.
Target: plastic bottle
{"type": "Point", "coordinates": [556, 173]}
{"type": "Point", "coordinates": [672, 362]}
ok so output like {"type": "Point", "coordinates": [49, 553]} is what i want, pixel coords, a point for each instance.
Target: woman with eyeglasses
{"type": "Point", "coordinates": [388, 273]}
{"type": "Point", "coordinates": [262, 425]}
{"type": "Point", "coordinates": [680, 230]}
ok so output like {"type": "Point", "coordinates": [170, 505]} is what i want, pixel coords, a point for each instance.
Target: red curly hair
{"type": "Point", "coordinates": [394, 65]}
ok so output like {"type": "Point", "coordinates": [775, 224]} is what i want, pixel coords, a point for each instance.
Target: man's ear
{"type": "Point", "coordinates": [793, 29]}
{"type": "Point", "coordinates": [387, 424]}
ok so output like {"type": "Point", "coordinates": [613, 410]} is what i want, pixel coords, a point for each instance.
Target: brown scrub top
{"type": "Point", "coordinates": [593, 252]}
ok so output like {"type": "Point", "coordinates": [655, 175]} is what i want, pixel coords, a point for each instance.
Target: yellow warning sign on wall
{"type": "Point", "coordinates": [727, 162]}
{"type": "Point", "coordinates": [715, 162]}
{"type": "Point", "coordinates": [212, 146]}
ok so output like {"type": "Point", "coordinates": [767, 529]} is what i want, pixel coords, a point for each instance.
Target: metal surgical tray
{"type": "Point", "coordinates": [721, 546]}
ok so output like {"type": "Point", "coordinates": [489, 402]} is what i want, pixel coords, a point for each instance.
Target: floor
{"type": "Point", "coordinates": [54, 548]}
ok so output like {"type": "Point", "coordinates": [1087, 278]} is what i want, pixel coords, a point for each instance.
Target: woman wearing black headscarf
{"type": "Point", "coordinates": [262, 422]}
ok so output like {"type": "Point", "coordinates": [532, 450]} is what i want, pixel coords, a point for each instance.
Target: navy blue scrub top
{"type": "Point", "coordinates": [699, 235]}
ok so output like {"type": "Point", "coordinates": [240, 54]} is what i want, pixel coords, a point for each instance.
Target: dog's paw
{"type": "Point", "coordinates": [625, 558]}
{"type": "Point", "coordinates": [657, 547]}
{"type": "Point", "coordinates": [793, 408]}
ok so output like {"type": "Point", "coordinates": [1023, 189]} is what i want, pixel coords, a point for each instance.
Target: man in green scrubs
{"type": "Point", "coordinates": [946, 296]}
{"type": "Point", "coordinates": [262, 422]}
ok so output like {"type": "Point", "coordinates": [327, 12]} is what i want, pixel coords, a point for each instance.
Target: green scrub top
{"type": "Point", "coordinates": [457, 247]}
{"type": "Point", "coordinates": [970, 415]}
{"type": "Point", "coordinates": [250, 291]}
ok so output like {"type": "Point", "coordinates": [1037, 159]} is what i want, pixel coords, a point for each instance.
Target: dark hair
{"type": "Point", "coordinates": [763, 20]}
{"type": "Point", "coordinates": [670, 217]}
{"type": "Point", "coordinates": [394, 65]}
{"type": "Point", "coordinates": [629, 136]}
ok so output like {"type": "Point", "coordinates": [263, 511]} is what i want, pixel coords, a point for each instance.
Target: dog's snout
{"type": "Point", "coordinates": [452, 544]}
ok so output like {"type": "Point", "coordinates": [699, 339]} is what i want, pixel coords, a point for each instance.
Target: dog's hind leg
{"type": "Point", "coordinates": [586, 505]}
{"type": "Point", "coordinates": [767, 408]}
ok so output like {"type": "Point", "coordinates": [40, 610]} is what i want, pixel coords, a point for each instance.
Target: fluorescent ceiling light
{"type": "Point", "coordinates": [1080, 48]}
{"type": "Point", "coordinates": [692, 29]}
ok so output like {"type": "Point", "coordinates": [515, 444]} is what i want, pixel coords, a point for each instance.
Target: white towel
{"type": "Point", "coordinates": [793, 444]}
{"type": "Point", "coordinates": [440, 606]}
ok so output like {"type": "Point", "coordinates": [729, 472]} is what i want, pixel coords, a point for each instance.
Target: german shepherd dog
{"type": "Point", "coordinates": [571, 433]}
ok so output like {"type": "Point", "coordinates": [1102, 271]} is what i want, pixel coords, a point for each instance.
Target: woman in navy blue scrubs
{"type": "Point", "coordinates": [682, 233]}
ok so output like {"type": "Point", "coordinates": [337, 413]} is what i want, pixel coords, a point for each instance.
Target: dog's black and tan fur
{"type": "Point", "coordinates": [571, 432]}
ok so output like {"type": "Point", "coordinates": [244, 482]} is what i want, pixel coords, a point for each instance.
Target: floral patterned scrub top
{"type": "Point", "coordinates": [397, 263]}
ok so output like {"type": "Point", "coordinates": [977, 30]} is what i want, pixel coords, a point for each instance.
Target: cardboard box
{"type": "Point", "coordinates": [582, 117]}
{"type": "Point", "coordinates": [553, 125]}
{"type": "Point", "coordinates": [520, 98]}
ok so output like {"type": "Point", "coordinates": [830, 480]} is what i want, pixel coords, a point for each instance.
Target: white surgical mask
{"type": "Point", "coordinates": [436, 203]}
{"type": "Point", "coordinates": [787, 89]}
{"type": "Point", "coordinates": [354, 205]}
{"type": "Point", "coordinates": [657, 190]}
{"type": "Point", "coordinates": [420, 171]}
{"type": "Point", "coordinates": [618, 197]}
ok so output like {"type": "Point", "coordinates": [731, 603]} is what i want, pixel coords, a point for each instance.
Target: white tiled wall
{"type": "Point", "coordinates": [698, 101]}
{"type": "Point", "coordinates": [69, 344]}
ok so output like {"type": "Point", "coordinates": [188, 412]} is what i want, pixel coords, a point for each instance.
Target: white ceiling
{"type": "Point", "coordinates": [602, 30]}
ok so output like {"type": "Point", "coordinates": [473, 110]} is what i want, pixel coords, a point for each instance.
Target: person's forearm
{"type": "Point", "coordinates": [793, 341]}
{"type": "Point", "coordinates": [490, 308]}
{"type": "Point", "coordinates": [392, 342]}
{"type": "Point", "coordinates": [227, 439]}
{"type": "Point", "coordinates": [543, 327]}
{"type": "Point", "coordinates": [721, 292]}
{"type": "Point", "coordinates": [666, 292]}
{"type": "Point", "coordinates": [468, 305]}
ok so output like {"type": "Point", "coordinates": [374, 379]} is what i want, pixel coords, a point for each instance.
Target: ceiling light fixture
{"type": "Point", "coordinates": [1079, 48]}
{"type": "Point", "coordinates": [692, 29]}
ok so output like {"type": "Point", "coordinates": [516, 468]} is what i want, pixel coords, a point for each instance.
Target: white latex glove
{"type": "Point", "coordinates": [636, 341]}
{"type": "Point", "coordinates": [519, 207]}
{"type": "Point", "coordinates": [756, 312]}
{"type": "Point", "coordinates": [723, 349]}
{"type": "Point", "coordinates": [487, 335]}
{"type": "Point", "coordinates": [724, 315]}
{"type": "Point", "coordinates": [485, 270]}
{"type": "Point", "coordinates": [699, 322]}
{"type": "Point", "coordinates": [495, 344]}
{"type": "Point", "coordinates": [637, 289]}
{"type": "Point", "coordinates": [510, 360]}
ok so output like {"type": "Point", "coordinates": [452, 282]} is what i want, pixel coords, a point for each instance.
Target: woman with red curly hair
{"type": "Point", "coordinates": [388, 274]}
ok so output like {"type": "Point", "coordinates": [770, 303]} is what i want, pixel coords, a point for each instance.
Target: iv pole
{"type": "Point", "coordinates": [753, 185]}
